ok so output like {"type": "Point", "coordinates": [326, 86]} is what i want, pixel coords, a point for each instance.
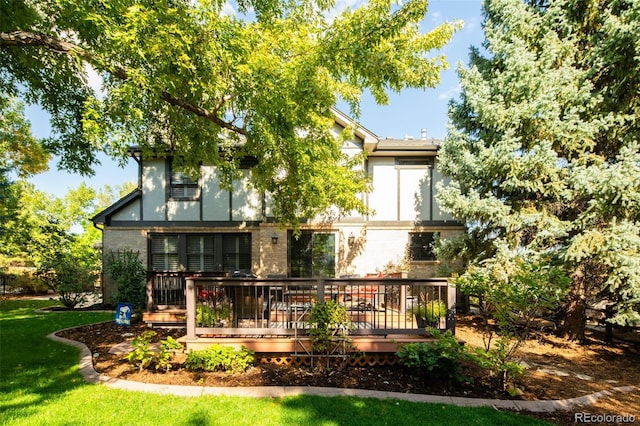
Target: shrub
{"type": "Point", "coordinates": [23, 281]}
{"type": "Point", "coordinates": [167, 350]}
{"type": "Point", "coordinates": [128, 272]}
{"type": "Point", "coordinates": [143, 356]}
{"type": "Point", "coordinates": [513, 293]}
{"type": "Point", "coordinates": [440, 358]}
{"type": "Point", "coordinates": [328, 320]}
{"type": "Point", "coordinates": [69, 278]}
{"type": "Point", "coordinates": [496, 362]}
{"type": "Point", "coordinates": [220, 358]}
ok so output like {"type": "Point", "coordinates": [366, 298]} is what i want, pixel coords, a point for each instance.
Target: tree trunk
{"type": "Point", "coordinates": [576, 309]}
{"type": "Point", "coordinates": [575, 319]}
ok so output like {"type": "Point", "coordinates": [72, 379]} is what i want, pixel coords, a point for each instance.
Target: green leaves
{"type": "Point", "coordinates": [190, 80]}
{"type": "Point", "coordinates": [543, 149]}
{"type": "Point", "coordinates": [220, 358]}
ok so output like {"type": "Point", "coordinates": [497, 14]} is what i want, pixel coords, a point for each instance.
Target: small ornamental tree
{"type": "Point", "coordinates": [69, 278]}
{"type": "Point", "coordinates": [513, 294]}
{"type": "Point", "coordinates": [330, 325]}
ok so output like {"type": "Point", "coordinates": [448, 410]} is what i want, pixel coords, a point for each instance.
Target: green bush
{"type": "Point", "coordinates": [143, 356]}
{"type": "Point", "coordinates": [496, 363]}
{"type": "Point", "coordinates": [440, 358]}
{"type": "Point", "coordinates": [512, 294]}
{"type": "Point", "coordinates": [165, 355]}
{"type": "Point", "coordinates": [220, 358]}
{"type": "Point", "coordinates": [128, 272]}
{"type": "Point", "coordinates": [25, 282]}
{"type": "Point", "coordinates": [69, 278]}
{"type": "Point", "coordinates": [328, 320]}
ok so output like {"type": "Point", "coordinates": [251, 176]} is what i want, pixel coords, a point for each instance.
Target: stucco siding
{"type": "Point", "coordinates": [414, 194]}
{"type": "Point", "coordinates": [383, 198]}
{"type": "Point", "coordinates": [246, 201]}
{"type": "Point", "coordinates": [154, 190]}
{"type": "Point", "coordinates": [183, 210]}
{"type": "Point", "coordinates": [215, 200]}
{"type": "Point", "coordinates": [128, 213]}
{"type": "Point", "coordinates": [438, 214]}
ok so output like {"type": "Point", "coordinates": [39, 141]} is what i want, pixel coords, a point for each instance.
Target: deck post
{"type": "Point", "coordinates": [149, 292]}
{"type": "Point", "coordinates": [403, 298]}
{"type": "Point", "coordinates": [191, 308]}
{"type": "Point", "coordinates": [451, 307]}
{"type": "Point", "coordinates": [320, 285]}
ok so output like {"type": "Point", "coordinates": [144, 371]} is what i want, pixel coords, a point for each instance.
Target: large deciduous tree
{"type": "Point", "coordinates": [21, 154]}
{"type": "Point", "coordinates": [544, 148]}
{"type": "Point", "coordinates": [203, 84]}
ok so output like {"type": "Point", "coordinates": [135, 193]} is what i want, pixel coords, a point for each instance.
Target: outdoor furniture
{"type": "Point", "coordinates": [249, 307]}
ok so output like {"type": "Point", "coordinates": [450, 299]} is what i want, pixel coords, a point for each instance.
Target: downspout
{"type": "Point", "coordinates": [101, 229]}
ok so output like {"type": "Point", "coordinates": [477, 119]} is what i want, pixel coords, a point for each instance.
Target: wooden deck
{"type": "Point", "coordinates": [270, 316]}
{"type": "Point", "coordinates": [301, 346]}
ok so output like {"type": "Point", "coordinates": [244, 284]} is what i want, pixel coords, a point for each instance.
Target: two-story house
{"type": "Point", "coordinates": [182, 226]}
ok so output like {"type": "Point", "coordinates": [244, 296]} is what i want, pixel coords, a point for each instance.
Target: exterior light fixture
{"type": "Point", "coordinates": [351, 240]}
{"type": "Point", "coordinates": [274, 238]}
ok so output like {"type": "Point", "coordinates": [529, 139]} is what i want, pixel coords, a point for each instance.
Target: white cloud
{"type": "Point", "coordinates": [451, 93]}
{"type": "Point", "coordinates": [471, 24]}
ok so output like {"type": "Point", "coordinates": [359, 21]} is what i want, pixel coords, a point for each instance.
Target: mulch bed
{"type": "Point", "coordinates": [558, 370]}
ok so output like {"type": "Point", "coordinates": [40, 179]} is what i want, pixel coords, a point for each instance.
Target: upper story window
{"type": "Point", "coordinates": [183, 187]}
{"type": "Point", "coordinates": [415, 162]}
{"type": "Point", "coordinates": [420, 246]}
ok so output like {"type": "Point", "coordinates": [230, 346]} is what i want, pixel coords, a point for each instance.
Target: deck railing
{"type": "Point", "coordinates": [166, 290]}
{"type": "Point", "coordinates": [278, 307]}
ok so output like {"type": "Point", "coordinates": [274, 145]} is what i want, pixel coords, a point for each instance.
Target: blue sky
{"type": "Point", "coordinates": [405, 115]}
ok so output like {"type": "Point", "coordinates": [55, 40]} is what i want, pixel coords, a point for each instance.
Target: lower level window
{"type": "Point", "coordinates": [420, 246]}
{"type": "Point", "coordinates": [201, 252]}
{"type": "Point", "coordinates": [312, 254]}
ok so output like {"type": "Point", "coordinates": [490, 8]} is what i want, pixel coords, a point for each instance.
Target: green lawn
{"type": "Point", "coordinates": [40, 385]}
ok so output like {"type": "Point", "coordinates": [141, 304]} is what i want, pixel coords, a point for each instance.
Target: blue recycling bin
{"type": "Point", "coordinates": [123, 313]}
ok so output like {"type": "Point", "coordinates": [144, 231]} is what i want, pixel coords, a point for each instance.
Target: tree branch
{"type": "Point", "coordinates": [27, 38]}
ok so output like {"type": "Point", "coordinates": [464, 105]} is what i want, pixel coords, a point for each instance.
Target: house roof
{"type": "Point", "coordinates": [105, 215]}
{"type": "Point", "coordinates": [406, 147]}
{"type": "Point", "coordinates": [370, 139]}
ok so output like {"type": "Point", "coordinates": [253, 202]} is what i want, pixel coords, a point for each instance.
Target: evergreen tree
{"type": "Point", "coordinates": [543, 148]}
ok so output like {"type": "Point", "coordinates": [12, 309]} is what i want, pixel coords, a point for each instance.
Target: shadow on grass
{"type": "Point", "coordinates": [38, 373]}
{"type": "Point", "coordinates": [311, 410]}
{"type": "Point", "coordinates": [34, 369]}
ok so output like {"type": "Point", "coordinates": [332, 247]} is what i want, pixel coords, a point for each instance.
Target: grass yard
{"type": "Point", "coordinates": [40, 385]}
